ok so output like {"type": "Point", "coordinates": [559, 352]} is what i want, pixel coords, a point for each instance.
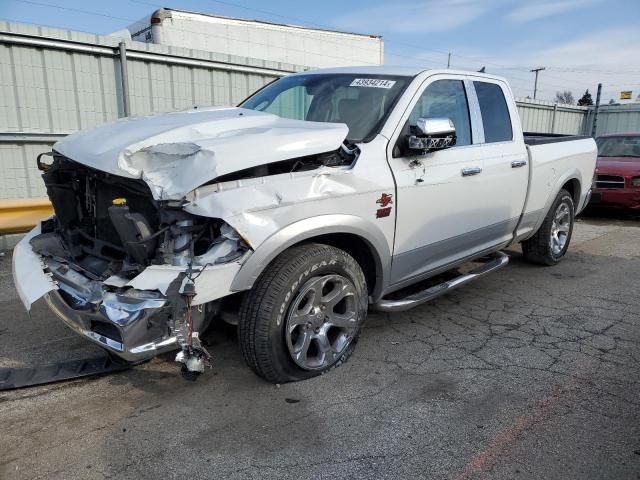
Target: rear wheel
{"type": "Point", "coordinates": [303, 315]}
{"type": "Point", "coordinates": [550, 243]}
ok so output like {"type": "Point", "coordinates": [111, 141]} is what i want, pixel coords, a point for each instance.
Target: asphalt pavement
{"type": "Point", "coordinates": [528, 373]}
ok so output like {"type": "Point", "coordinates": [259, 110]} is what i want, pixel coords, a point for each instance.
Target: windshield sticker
{"type": "Point", "coordinates": [372, 82]}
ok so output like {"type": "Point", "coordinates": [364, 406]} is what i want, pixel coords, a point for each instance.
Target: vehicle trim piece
{"type": "Point", "coordinates": [449, 249]}
{"type": "Point", "coordinates": [477, 127]}
{"type": "Point", "coordinates": [468, 172]}
{"type": "Point", "coordinates": [28, 271]}
{"type": "Point", "coordinates": [21, 377]}
{"type": "Point", "coordinates": [518, 163]}
{"type": "Point", "coordinates": [498, 260]}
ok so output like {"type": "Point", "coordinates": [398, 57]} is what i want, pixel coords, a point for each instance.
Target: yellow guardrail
{"type": "Point", "coordinates": [21, 215]}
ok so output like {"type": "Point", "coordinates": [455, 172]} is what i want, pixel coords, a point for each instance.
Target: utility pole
{"type": "Point", "coordinates": [595, 112]}
{"type": "Point", "coordinates": [535, 85]}
{"type": "Point", "coordinates": [449, 61]}
{"type": "Point", "coordinates": [124, 78]}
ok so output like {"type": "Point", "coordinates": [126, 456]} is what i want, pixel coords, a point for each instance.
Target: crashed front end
{"type": "Point", "coordinates": [136, 275]}
{"type": "Point", "coordinates": [145, 246]}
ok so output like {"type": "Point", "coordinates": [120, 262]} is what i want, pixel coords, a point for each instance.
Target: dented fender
{"type": "Point", "coordinates": [275, 212]}
{"type": "Point", "coordinates": [308, 228]}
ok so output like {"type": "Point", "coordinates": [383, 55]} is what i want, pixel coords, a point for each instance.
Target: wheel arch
{"type": "Point", "coordinates": [572, 185]}
{"type": "Point", "coordinates": [572, 180]}
{"type": "Point", "coordinates": [363, 241]}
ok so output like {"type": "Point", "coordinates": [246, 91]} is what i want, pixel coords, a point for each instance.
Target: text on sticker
{"type": "Point", "coordinates": [372, 82]}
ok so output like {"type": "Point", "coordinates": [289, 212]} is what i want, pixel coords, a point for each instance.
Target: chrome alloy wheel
{"type": "Point", "coordinates": [321, 322]}
{"type": "Point", "coordinates": [560, 228]}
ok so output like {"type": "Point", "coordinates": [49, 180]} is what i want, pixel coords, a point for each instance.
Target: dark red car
{"type": "Point", "coordinates": [617, 180]}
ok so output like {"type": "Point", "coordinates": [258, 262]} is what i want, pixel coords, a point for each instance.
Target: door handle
{"type": "Point", "coordinates": [518, 163]}
{"type": "Point", "coordinates": [467, 172]}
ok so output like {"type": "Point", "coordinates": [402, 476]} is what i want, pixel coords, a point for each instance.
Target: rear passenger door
{"type": "Point", "coordinates": [505, 173]}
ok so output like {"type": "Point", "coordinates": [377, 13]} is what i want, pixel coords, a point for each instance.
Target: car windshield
{"type": "Point", "coordinates": [624, 146]}
{"type": "Point", "coordinates": [361, 101]}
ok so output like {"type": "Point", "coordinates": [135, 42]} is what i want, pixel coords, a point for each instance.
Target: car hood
{"type": "Point", "coordinates": [174, 153]}
{"type": "Point", "coordinates": [618, 166]}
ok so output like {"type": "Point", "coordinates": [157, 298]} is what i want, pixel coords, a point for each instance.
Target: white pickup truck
{"type": "Point", "coordinates": [323, 194]}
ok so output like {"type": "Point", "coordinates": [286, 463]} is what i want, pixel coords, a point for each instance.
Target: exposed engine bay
{"type": "Point", "coordinates": [108, 225]}
{"type": "Point", "coordinates": [106, 231]}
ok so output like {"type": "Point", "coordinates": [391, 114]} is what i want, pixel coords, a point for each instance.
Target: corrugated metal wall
{"type": "Point", "coordinates": [617, 119]}
{"type": "Point", "coordinates": [547, 117]}
{"type": "Point", "coordinates": [54, 82]}
{"type": "Point", "coordinates": [538, 116]}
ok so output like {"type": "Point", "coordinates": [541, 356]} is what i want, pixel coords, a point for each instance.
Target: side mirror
{"type": "Point", "coordinates": [432, 134]}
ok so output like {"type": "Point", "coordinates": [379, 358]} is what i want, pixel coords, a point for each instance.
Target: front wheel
{"type": "Point", "coordinates": [303, 315]}
{"type": "Point", "coordinates": [550, 243]}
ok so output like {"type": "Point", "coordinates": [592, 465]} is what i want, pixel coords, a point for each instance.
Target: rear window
{"type": "Point", "coordinates": [495, 113]}
{"type": "Point", "coordinates": [627, 146]}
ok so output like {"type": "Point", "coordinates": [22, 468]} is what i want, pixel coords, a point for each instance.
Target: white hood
{"type": "Point", "coordinates": [174, 153]}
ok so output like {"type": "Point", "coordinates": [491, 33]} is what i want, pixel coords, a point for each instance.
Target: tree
{"type": "Point", "coordinates": [586, 99]}
{"type": "Point", "coordinates": [565, 97]}
{"type": "Point", "coordinates": [612, 101]}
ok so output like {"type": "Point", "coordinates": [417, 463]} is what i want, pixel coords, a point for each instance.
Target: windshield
{"type": "Point", "coordinates": [619, 146]}
{"type": "Point", "coordinates": [362, 101]}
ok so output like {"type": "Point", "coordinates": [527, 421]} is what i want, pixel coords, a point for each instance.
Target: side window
{"type": "Point", "coordinates": [445, 98]}
{"type": "Point", "coordinates": [495, 113]}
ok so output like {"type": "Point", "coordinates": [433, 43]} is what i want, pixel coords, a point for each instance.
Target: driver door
{"type": "Point", "coordinates": [440, 211]}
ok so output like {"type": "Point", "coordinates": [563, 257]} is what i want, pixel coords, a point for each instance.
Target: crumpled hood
{"type": "Point", "coordinates": [174, 153]}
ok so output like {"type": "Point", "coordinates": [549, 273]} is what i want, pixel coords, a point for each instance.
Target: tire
{"type": "Point", "coordinates": [303, 315]}
{"type": "Point", "coordinates": [550, 243]}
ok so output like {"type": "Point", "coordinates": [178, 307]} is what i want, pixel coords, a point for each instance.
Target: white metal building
{"type": "Point", "coordinates": [317, 48]}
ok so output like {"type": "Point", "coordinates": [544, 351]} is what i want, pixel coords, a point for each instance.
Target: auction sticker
{"type": "Point", "coordinates": [372, 82]}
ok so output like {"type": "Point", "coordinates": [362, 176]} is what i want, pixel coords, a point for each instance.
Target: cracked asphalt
{"type": "Point", "coordinates": [530, 372]}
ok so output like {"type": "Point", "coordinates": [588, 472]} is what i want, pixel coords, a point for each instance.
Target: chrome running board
{"type": "Point", "coordinates": [498, 260]}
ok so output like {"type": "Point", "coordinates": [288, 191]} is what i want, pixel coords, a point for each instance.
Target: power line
{"type": "Point", "coordinates": [386, 41]}
{"type": "Point", "coordinates": [411, 57]}
{"type": "Point", "coordinates": [307, 34]}
{"type": "Point", "coordinates": [249, 42]}
{"type": "Point", "coordinates": [70, 9]}
{"type": "Point", "coordinates": [321, 26]}
{"type": "Point", "coordinates": [414, 58]}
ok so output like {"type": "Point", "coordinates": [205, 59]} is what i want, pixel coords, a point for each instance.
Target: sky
{"type": "Point", "coordinates": [580, 42]}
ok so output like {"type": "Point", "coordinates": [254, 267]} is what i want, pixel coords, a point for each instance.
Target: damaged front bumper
{"type": "Point", "coordinates": [132, 330]}
{"type": "Point", "coordinates": [134, 319]}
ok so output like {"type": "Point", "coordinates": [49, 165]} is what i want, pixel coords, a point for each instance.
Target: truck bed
{"type": "Point", "coordinates": [531, 138]}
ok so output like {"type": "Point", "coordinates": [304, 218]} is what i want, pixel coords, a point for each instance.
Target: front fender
{"type": "Point", "coordinates": [308, 229]}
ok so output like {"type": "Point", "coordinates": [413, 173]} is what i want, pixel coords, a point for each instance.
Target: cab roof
{"type": "Point", "coordinates": [397, 71]}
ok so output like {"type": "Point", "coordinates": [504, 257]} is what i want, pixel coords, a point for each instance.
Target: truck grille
{"type": "Point", "coordinates": [609, 181]}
